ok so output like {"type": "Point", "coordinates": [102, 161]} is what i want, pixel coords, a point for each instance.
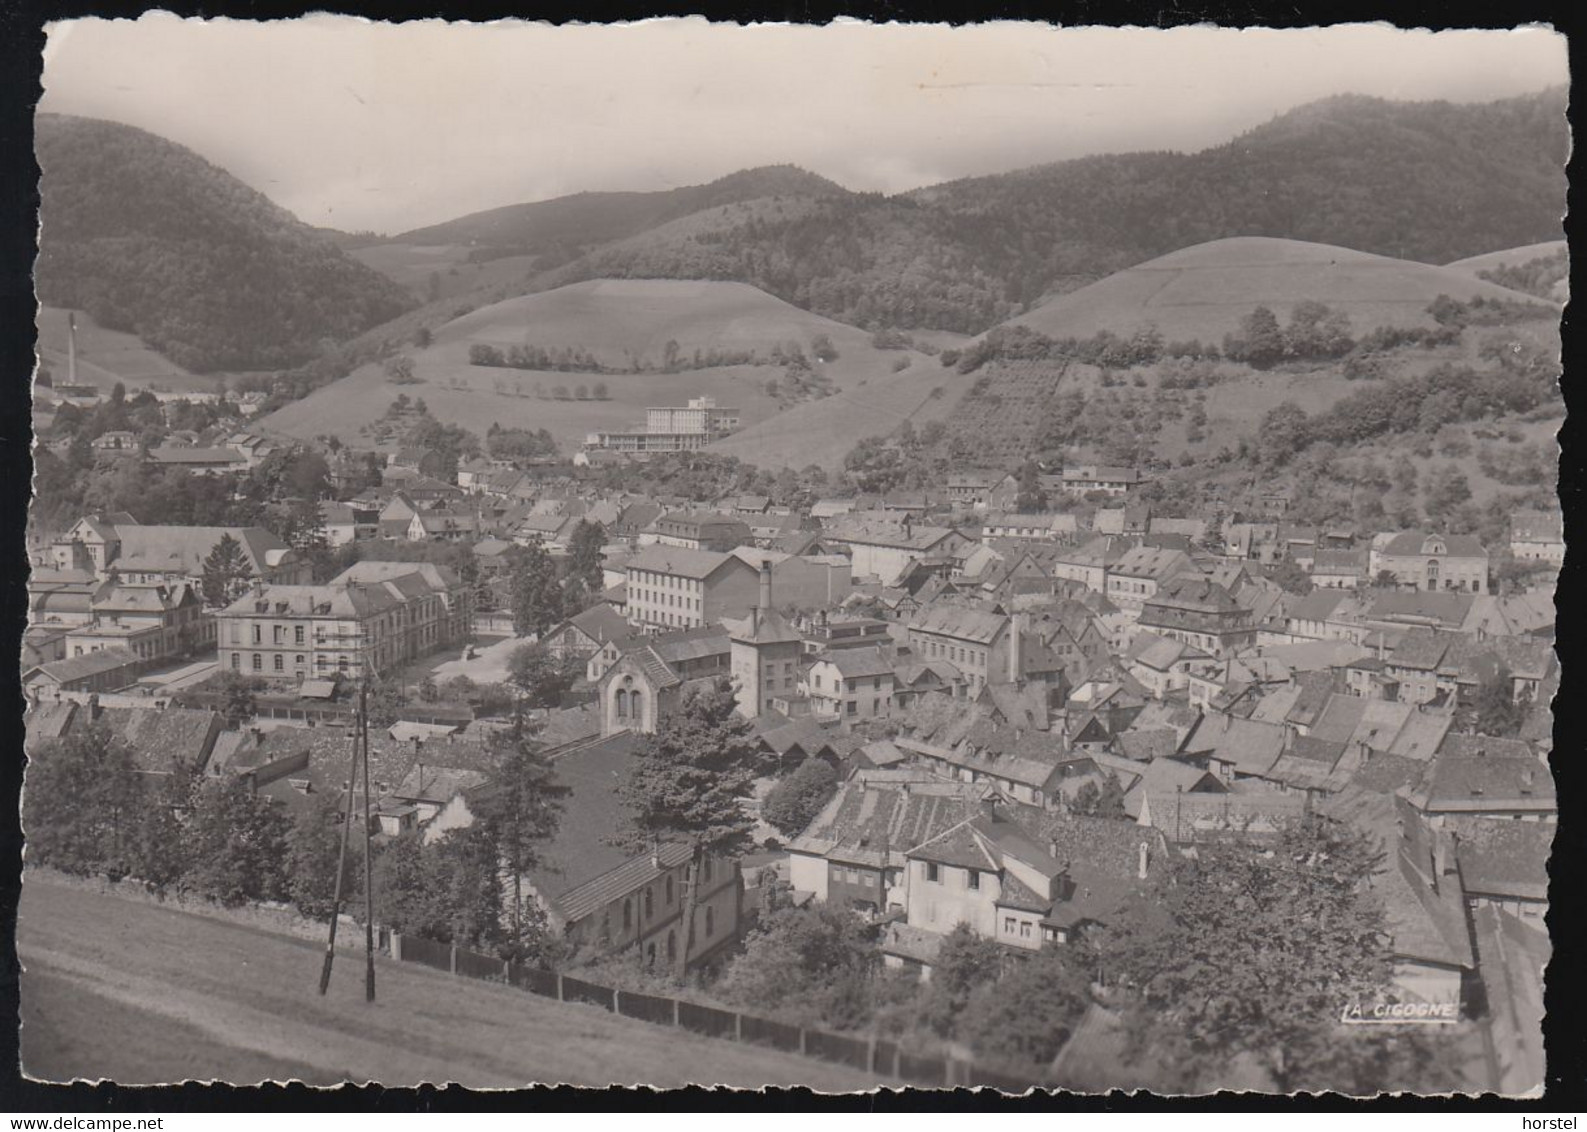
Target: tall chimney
{"type": "Point", "coordinates": [71, 347]}
{"type": "Point", "coordinates": [765, 583]}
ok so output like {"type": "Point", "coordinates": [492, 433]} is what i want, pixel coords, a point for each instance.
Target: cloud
{"type": "Point", "coordinates": [390, 126]}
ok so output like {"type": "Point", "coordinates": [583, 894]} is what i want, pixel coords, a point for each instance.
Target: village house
{"type": "Point", "coordinates": [1417, 560]}
{"type": "Point", "coordinates": [198, 461]}
{"type": "Point", "coordinates": [1085, 478]}
{"type": "Point", "coordinates": [168, 555]}
{"type": "Point", "coordinates": [974, 641]}
{"type": "Point", "coordinates": [370, 619]}
{"type": "Point", "coordinates": [1031, 526]}
{"type": "Point", "coordinates": [852, 854]}
{"type": "Point", "coordinates": [885, 551]}
{"type": "Point", "coordinates": [151, 622]}
{"type": "Point", "coordinates": [1538, 536]}
{"type": "Point", "coordinates": [1200, 613]}
{"type": "Point", "coordinates": [698, 530]}
{"type": "Point", "coordinates": [647, 680]}
{"type": "Point", "coordinates": [971, 489]}
{"type": "Point", "coordinates": [850, 683]}
{"type": "Point", "coordinates": [672, 587]}
{"type": "Point", "coordinates": [1135, 578]}
{"type": "Point", "coordinates": [344, 523]}
{"type": "Point", "coordinates": [107, 670]}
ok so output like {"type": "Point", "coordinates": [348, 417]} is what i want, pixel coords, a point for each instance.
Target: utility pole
{"type": "Point", "coordinates": [369, 888]}
{"type": "Point", "coordinates": [360, 753]}
{"type": "Point", "coordinates": [341, 859]}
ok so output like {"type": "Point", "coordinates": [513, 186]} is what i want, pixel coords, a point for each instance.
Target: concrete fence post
{"type": "Point", "coordinates": [617, 1001]}
{"type": "Point", "coordinates": [675, 1021]}
{"type": "Point", "coordinates": [506, 970]}
{"type": "Point", "coordinates": [802, 1042]}
{"type": "Point", "coordinates": [396, 946]}
{"type": "Point", "coordinates": [738, 1026]}
{"type": "Point", "coordinates": [559, 988]}
{"type": "Point", "coordinates": [453, 957]}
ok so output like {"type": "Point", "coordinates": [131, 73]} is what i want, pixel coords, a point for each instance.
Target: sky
{"type": "Point", "coordinates": [359, 125]}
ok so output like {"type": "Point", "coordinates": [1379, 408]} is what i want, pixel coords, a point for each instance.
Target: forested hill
{"type": "Point", "coordinates": [1431, 182]}
{"type": "Point", "coordinates": [148, 237]}
{"type": "Point", "coordinates": [583, 219]}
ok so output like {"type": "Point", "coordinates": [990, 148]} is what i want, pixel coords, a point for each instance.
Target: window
{"type": "Point", "coordinates": [628, 914]}
{"type": "Point", "coordinates": [710, 922]}
{"type": "Point", "coordinates": [280, 663]}
{"type": "Point", "coordinates": [1008, 924]}
{"type": "Point", "coordinates": [931, 871]}
{"type": "Point", "coordinates": [258, 662]}
{"type": "Point", "coordinates": [705, 872]}
{"type": "Point", "coordinates": [297, 634]}
{"type": "Point", "coordinates": [650, 904]}
{"type": "Point", "coordinates": [1024, 929]}
{"type": "Point", "coordinates": [672, 946]}
{"type": "Point", "coordinates": [258, 634]}
{"type": "Point", "coordinates": [669, 890]}
{"type": "Point", "coordinates": [972, 878]}
{"type": "Point", "coordinates": [236, 660]}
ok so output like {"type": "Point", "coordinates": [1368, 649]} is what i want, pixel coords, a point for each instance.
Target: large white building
{"type": "Point", "coordinates": [672, 429]}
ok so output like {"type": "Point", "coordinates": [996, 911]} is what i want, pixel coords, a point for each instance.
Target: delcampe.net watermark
{"type": "Point", "coordinates": [1400, 1014]}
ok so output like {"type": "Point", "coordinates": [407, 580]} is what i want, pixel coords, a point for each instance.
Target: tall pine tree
{"type": "Point", "coordinates": [225, 572]}
{"type": "Point", "coordinates": [689, 784]}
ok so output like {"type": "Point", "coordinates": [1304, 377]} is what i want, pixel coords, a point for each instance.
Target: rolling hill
{"type": "Point", "coordinates": [1538, 269]}
{"type": "Point", "coordinates": [618, 322]}
{"type": "Point", "coordinates": [151, 239]}
{"type": "Point", "coordinates": [1427, 182]}
{"type": "Point", "coordinates": [105, 357]}
{"type": "Point", "coordinates": [1202, 292]}
{"type": "Point", "coordinates": [597, 218]}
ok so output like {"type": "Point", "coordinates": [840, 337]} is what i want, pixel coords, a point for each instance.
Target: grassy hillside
{"type": "Point", "coordinates": [1427, 182]}
{"type": "Point", "coordinates": [822, 432]}
{"type": "Point", "coordinates": [619, 323]}
{"type": "Point", "coordinates": [105, 357]}
{"type": "Point", "coordinates": [142, 993]}
{"type": "Point", "coordinates": [442, 272]}
{"type": "Point", "coordinates": [153, 240]}
{"type": "Point", "coordinates": [1203, 292]}
{"type": "Point", "coordinates": [1542, 270]}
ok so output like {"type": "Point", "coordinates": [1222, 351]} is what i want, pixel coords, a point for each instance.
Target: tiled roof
{"type": "Point", "coordinates": [679, 561]}
{"type": "Point", "coordinates": [959, 622]}
{"type": "Point", "coordinates": [1416, 542]}
{"type": "Point", "coordinates": [89, 664]}
{"type": "Point", "coordinates": [865, 817]}
{"type": "Point", "coordinates": [1504, 858]}
{"type": "Point", "coordinates": [1476, 784]}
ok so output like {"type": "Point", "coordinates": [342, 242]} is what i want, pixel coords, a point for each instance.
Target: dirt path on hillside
{"type": "Point", "coordinates": [139, 993]}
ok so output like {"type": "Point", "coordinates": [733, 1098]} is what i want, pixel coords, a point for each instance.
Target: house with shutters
{"type": "Point", "coordinates": [851, 684]}
{"type": "Point", "coordinates": [1200, 613]}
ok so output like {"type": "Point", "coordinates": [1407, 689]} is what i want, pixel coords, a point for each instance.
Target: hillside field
{"type": "Point", "coordinates": [1203, 292]}
{"type": "Point", "coordinates": [140, 993]}
{"type": "Point", "coordinates": [412, 265]}
{"type": "Point", "coordinates": [1512, 256]}
{"type": "Point", "coordinates": [619, 322]}
{"type": "Point", "coordinates": [105, 357]}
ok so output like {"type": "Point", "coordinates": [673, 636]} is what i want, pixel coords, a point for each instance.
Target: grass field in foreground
{"type": "Point", "coordinates": [139, 993]}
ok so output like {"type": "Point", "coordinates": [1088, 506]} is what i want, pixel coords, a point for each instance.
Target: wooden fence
{"type": "Point", "coordinates": [867, 1054]}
